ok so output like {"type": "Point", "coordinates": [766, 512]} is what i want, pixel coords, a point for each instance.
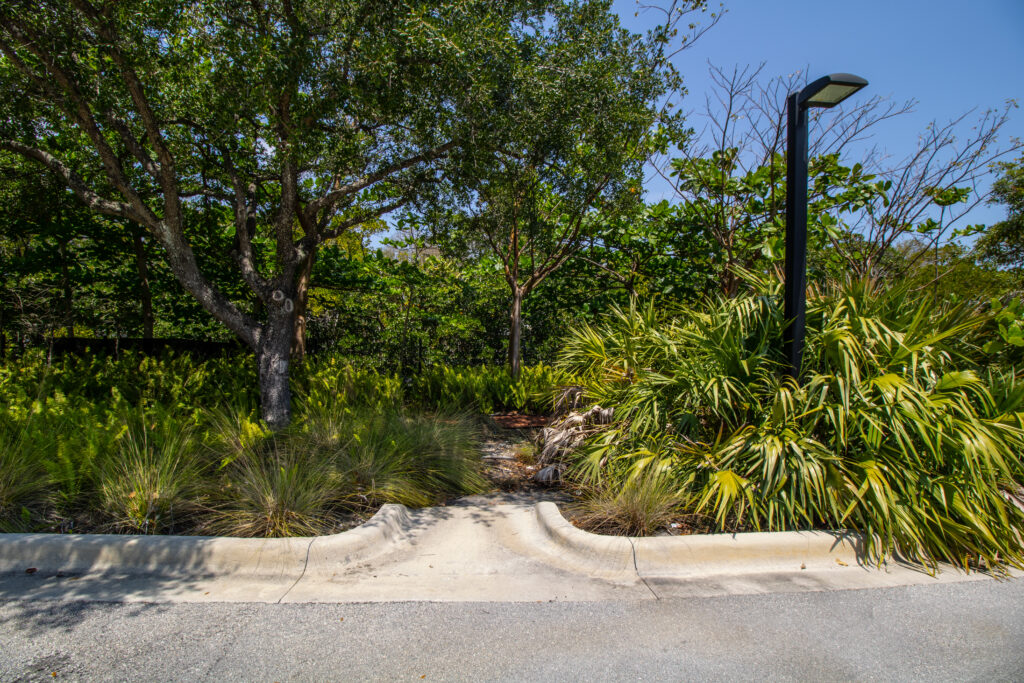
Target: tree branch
{"type": "Point", "coordinates": [91, 198]}
{"type": "Point", "coordinates": [326, 201]}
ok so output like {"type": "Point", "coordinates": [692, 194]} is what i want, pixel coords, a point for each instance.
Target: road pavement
{"type": "Point", "coordinates": [937, 632]}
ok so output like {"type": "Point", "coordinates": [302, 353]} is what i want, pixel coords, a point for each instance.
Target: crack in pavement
{"type": "Point", "coordinates": [636, 568]}
{"type": "Point", "coordinates": [304, 566]}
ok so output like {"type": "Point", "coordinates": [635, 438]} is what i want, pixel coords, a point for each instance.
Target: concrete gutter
{"type": "Point", "coordinates": [702, 555]}
{"type": "Point", "coordinates": [727, 564]}
{"type": "Point", "coordinates": [464, 553]}
{"type": "Point", "coordinates": [608, 557]}
{"type": "Point", "coordinates": [263, 558]}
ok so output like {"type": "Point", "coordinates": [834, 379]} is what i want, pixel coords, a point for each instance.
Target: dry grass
{"type": "Point", "coordinates": [526, 454]}
{"type": "Point", "coordinates": [640, 506]}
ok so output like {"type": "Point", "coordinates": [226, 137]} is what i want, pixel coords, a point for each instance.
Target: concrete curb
{"type": "Point", "coordinates": [746, 553]}
{"type": "Point", "coordinates": [593, 554]}
{"type": "Point", "coordinates": [201, 555]}
{"type": "Point", "coordinates": [694, 556]}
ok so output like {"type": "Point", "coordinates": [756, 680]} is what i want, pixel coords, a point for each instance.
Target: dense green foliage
{"type": "Point", "coordinates": [220, 171]}
{"type": "Point", "coordinates": [1004, 241]}
{"type": "Point", "coordinates": [252, 134]}
{"type": "Point", "coordinates": [900, 427]}
{"type": "Point", "coordinates": [151, 445]}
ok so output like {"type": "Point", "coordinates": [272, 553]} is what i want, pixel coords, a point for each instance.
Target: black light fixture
{"type": "Point", "coordinates": [825, 92]}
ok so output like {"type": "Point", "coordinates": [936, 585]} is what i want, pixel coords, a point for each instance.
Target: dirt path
{"type": "Point", "coordinates": [509, 464]}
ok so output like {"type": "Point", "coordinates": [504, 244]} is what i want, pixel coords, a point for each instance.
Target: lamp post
{"type": "Point", "coordinates": [827, 91]}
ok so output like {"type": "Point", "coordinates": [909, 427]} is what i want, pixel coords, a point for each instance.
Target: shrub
{"type": "Point", "coordinates": [895, 429]}
{"type": "Point", "coordinates": [171, 443]}
{"type": "Point", "coordinates": [487, 389]}
{"type": "Point", "coordinates": [231, 431]}
{"type": "Point", "coordinates": [330, 382]}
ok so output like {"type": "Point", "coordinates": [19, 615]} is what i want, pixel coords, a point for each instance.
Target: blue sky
{"type": "Point", "coordinates": [949, 56]}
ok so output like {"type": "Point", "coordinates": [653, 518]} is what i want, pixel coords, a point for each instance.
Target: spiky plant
{"type": "Point", "coordinates": [394, 457]}
{"type": "Point", "coordinates": [895, 429]}
{"type": "Point", "coordinates": [638, 506]}
{"type": "Point", "coordinates": [149, 483]}
{"type": "Point", "coordinates": [273, 490]}
{"type": "Point", "coordinates": [25, 485]}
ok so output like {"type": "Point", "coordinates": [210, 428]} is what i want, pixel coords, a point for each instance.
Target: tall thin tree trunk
{"type": "Point", "coordinates": [142, 268]}
{"type": "Point", "coordinates": [69, 311]}
{"type": "Point", "coordinates": [301, 301]}
{"type": "Point", "coordinates": [515, 320]}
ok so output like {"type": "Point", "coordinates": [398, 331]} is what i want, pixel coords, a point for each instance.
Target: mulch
{"type": "Point", "coordinates": [519, 421]}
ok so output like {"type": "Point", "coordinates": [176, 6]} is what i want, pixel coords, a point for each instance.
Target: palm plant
{"type": "Point", "coordinates": [896, 429]}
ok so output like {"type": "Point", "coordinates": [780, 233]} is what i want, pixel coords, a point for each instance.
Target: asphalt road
{"type": "Point", "coordinates": [964, 631]}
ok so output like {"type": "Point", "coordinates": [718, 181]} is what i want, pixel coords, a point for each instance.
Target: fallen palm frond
{"type": "Point", "coordinates": [565, 434]}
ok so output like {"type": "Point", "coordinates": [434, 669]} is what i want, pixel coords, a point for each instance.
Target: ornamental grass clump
{"type": "Point", "coordinates": [899, 427]}
{"type": "Point", "coordinates": [273, 490]}
{"type": "Point", "coordinates": [151, 482]}
{"type": "Point", "coordinates": [637, 506]}
{"type": "Point", "coordinates": [25, 485]}
{"type": "Point", "coordinates": [91, 445]}
{"type": "Point", "coordinates": [336, 463]}
{"type": "Point", "coordinates": [393, 456]}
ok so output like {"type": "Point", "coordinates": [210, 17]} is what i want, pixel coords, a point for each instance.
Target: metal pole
{"type": "Point", "coordinates": [795, 300]}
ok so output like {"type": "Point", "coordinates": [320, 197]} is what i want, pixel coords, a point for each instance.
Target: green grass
{"type": "Point", "coordinates": [273, 490]}
{"type": "Point", "coordinates": [411, 459]}
{"type": "Point", "coordinates": [152, 482]}
{"type": "Point", "coordinates": [638, 506]}
{"type": "Point", "coordinates": [25, 484]}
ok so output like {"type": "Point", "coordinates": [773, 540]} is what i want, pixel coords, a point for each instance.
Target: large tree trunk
{"type": "Point", "coordinates": [273, 351]}
{"type": "Point", "coordinates": [515, 320]}
{"type": "Point", "coordinates": [301, 300]}
{"type": "Point", "coordinates": [145, 293]}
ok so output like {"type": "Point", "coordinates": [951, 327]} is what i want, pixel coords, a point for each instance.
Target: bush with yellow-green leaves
{"type": "Point", "coordinates": [899, 427]}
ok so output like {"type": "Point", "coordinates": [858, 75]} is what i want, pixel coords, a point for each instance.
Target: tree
{"type": "Point", "coordinates": [577, 147]}
{"type": "Point", "coordinates": [733, 174]}
{"type": "Point", "coordinates": [652, 251]}
{"type": "Point", "coordinates": [69, 272]}
{"type": "Point", "coordinates": [1003, 243]}
{"type": "Point", "coordinates": [296, 119]}
{"type": "Point", "coordinates": [57, 278]}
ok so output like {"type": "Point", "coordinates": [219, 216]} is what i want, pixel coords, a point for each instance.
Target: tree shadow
{"type": "Point", "coordinates": [38, 618]}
